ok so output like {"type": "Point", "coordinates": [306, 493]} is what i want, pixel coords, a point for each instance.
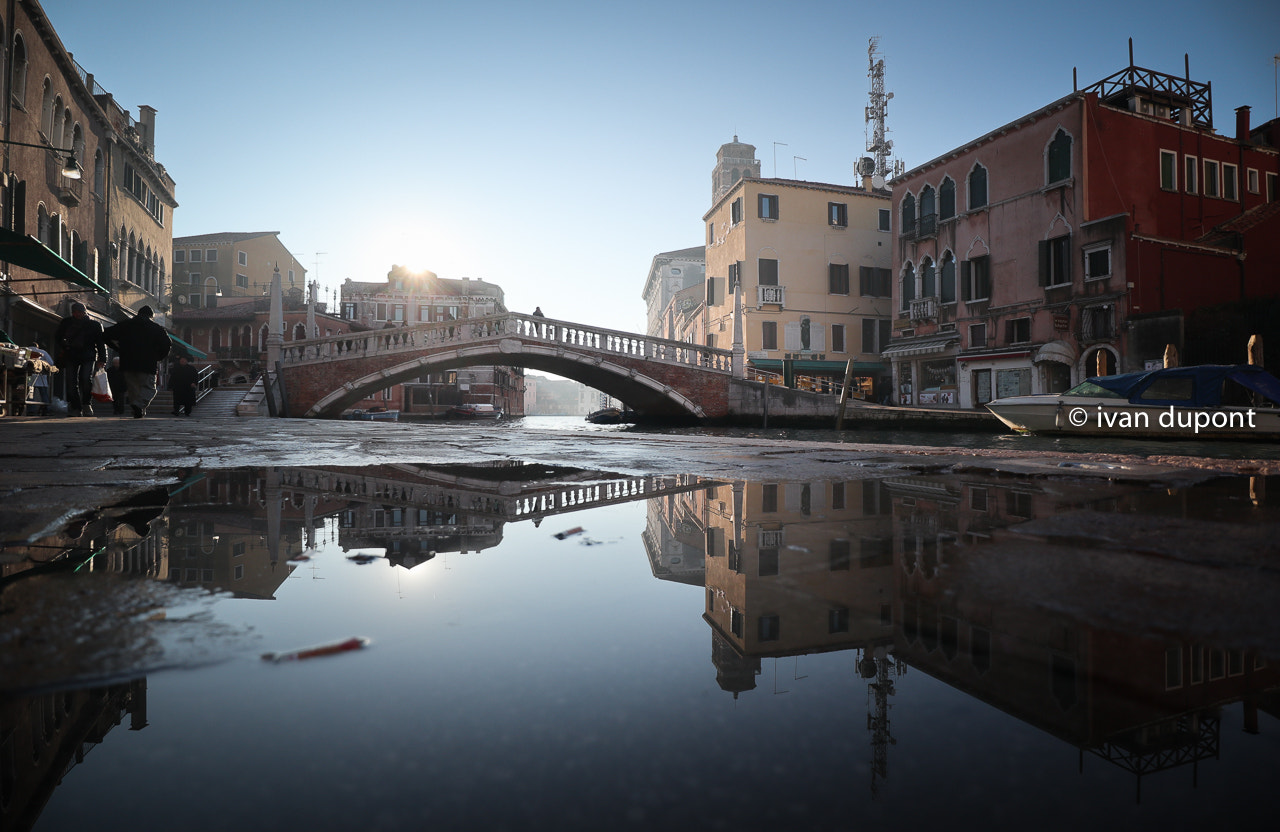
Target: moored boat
{"type": "Point", "coordinates": [474, 411]}
{"type": "Point", "coordinates": [1216, 401]}
{"type": "Point", "coordinates": [375, 415]}
{"type": "Point", "coordinates": [605, 416]}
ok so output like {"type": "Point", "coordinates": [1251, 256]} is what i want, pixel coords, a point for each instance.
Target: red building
{"type": "Point", "coordinates": [1083, 238]}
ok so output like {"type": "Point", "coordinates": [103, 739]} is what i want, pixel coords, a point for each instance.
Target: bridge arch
{"type": "Point", "coordinates": [654, 376]}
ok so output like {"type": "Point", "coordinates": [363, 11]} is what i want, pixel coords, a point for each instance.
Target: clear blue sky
{"type": "Point", "coordinates": [555, 147]}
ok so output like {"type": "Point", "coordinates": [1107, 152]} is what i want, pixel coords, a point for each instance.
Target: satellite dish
{"type": "Point", "coordinates": [877, 181]}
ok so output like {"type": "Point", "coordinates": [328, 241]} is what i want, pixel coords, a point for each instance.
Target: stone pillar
{"type": "Point", "coordinates": [311, 310]}
{"type": "Point", "coordinates": [275, 326]}
{"type": "Point", "coordinates": [739, 351]}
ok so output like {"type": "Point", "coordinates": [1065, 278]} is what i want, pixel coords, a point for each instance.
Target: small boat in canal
{"type": "Point", "coordinates": [605, 416]}
{"type": "Point", "coordinates": [375, 414]}
{"type": "Point", "coordinates": [474, 411]}
{"type": "Point", "coordinates": [1216, 401]}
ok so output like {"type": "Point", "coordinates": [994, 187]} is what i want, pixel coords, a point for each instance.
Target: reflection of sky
{"type": "Point", "coordinates": [548, 678]}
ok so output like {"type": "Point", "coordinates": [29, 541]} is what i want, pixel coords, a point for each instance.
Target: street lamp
{"type": "Point", "coordinates": [70, 167]}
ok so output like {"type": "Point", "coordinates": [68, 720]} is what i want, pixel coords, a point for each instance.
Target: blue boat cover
{"type": "Point", "coordinates": [1207, 382]}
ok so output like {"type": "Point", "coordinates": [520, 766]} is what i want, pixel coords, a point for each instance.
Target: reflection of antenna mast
{"type": "Point", "coordinates": [877, 145]}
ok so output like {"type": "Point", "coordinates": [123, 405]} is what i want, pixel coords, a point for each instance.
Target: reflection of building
{"type": "Point", "coordinates": [44, 736]}
{"type": "Point", "coordinates": [1062, 636]}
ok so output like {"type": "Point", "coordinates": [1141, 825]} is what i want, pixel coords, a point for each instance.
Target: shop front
{"type": "Point", "coordinates": [924, 372]}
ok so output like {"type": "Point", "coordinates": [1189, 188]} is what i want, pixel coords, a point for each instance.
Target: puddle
{"type": "Point", "coordinates": [545, 645]}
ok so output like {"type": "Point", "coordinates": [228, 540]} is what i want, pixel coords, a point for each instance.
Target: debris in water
{"type": "Point", "coordinates": [569, 533]}
{"type": "Point", "coordinates": [355, 643]}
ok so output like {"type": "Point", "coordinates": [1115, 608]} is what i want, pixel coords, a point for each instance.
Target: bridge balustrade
{"type": "Point", "coordinates": [495, 327]}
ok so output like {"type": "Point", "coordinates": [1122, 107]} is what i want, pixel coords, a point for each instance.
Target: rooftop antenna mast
{"type": "Point", "coordinates": [878, 146]}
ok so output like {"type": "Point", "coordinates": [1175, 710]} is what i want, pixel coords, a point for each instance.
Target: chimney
{"type": "Point", "coordinates": [147, 126]}
{"type": "Point", "coordinates": [1242, 123]}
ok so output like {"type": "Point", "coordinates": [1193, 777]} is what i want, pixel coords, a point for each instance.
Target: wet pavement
{"type": "Point", "coordinates": [625, 630]}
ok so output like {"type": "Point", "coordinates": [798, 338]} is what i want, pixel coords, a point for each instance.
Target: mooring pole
{"type": "Point", "coordinates": [844, 393]}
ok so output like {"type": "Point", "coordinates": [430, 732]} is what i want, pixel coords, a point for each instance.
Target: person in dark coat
{"type": "Point", "coordinates": [79, 352]}
{"type": "Point", "coordinates": [119, 390]}
{"type": "Point", "coordinates": [183, 380]}
{"type": "Point", "coordinates": [142, 344]}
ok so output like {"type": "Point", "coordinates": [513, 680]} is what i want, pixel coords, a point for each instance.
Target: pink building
{"type": "Point", "coordinates": [1082, 239]}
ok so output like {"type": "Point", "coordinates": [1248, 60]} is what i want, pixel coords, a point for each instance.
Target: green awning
{"type": "Point", "coordinates": [30, 253]}
{"type": "Point", "coordinates": [187, 348]}
{"type": "Point", "coordinates": [806, 365]}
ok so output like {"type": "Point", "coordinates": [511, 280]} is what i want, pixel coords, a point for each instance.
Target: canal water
{"type": "Point", "coordinates": [560, 649]}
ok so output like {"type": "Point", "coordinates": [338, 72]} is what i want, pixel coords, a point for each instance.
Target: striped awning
{"type": "Point", "coordinates": [923, 346]}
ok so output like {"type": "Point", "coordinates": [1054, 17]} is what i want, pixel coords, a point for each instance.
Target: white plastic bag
{"type": "Point", "coordinates": [101, 387]}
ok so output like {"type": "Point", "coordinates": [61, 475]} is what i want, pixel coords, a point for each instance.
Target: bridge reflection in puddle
{"type": "Point", "coordinates": [797, 633]}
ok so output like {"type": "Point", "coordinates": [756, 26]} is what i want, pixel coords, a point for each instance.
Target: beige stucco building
{"type": "Point", "coordinates": [232, 265]}
{"type": "Point", "coordinates": [813, 261]}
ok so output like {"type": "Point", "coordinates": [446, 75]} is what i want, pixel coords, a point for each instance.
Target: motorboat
{"type": "Point", "coordinates": [605, 416]}
{"type": "Point", "coordinates": [1212, 401]}
{"type": "Point", "coordinates": [474, 411]}
{"type": "Point", "coordinates": [375, 414]}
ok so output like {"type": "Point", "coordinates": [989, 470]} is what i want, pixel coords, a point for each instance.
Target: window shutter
{"type": "Point", "coordinates": [1045, 254]}
{"type": "Point", "coordinates": [966, 279]}
{"type": "Point", "coordinates": [869, 336]}
{"type": "Point", "coordinates": [1066, 260]}
{"type": "Point", "coordinates": [865, 280]}
{"type": "Point", "coordinates": [885, 331]}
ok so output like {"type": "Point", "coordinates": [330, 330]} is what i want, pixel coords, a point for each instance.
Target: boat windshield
{"type": "Point", "coordinates": [1093, 391]}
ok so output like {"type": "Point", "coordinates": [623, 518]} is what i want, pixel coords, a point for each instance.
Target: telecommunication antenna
{"type": "Point", "coordinates": [878, 146]}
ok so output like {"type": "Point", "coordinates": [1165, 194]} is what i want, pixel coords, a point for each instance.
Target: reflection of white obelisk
{"type": "Point", "coordinates": [274, 496]}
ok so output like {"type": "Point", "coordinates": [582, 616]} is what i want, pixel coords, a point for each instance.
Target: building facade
{"type": "Point", "coordinates": [85, 207]}
{"type": "Point", "coordinates": [1080, 240]}
{"type": "Point", "coordinates": [813, 262]}
{"type": "Point", "coordinates": [669, 273]}
{"type": "Point", "coordinates": [209, 269]}
{"type": "Point", "coordinates": [406, 298]}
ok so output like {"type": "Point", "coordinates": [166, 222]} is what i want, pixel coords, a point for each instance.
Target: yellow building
{"type": "Point", "coordinates": [813, 263]}
{"type": "Point", "coordinates": [232, 265]}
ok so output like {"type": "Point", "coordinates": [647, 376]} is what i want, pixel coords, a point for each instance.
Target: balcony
{"type": "Point", "coordinates": [771, 294]}
{"type": "Point", "coordinates": [924, 309]}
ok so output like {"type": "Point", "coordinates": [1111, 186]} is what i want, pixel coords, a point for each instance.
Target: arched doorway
{"type": "Point", "coordinates": [1099, 362]}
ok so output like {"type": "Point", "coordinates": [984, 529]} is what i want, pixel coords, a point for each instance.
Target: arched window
{"type": "Point", "coordinates": [908, 211]}
{"type": "Point", "coordinates": [908, 286]}
{"type": "Point", "coordinates": [947, 287]}
{"type": "Point", "coordinates": [99, 174]}
{"type": "Point", "coordinates": [210, 292]}
{"type": "Point", "coordinates": [19, 65]}
{"type": "Point", "coordinates": [928, 210]}
{"type": "Point", "coordinates": [300, 332]}
{"type": "Point", "coordinates": [77, 145]}
{"type": "Point", "coordinates": [977, 188]}
{"type": "Point", "coordinates": [47, 108]}
{"type": "Point", "coordinates": [947, 199]}
{"type": "Point", "coordinates": [215, 338]}
{"type": "Point", "coordinates": [59, 122]}
{"type": "Point", "coordinates": [928, 283]}
{"type": "Point", "coordinates": [262, 338]}
{"type": "Point", "coordinates": [1059, 157]}
{"type": "Point", "coordinates": [42, 225]}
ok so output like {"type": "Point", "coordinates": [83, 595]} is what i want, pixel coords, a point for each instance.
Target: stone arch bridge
{"type": "Point", "coordinates": [654, 376]}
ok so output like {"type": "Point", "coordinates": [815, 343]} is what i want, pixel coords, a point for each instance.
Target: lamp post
{"type": "Point", "coordinates": [70, 167]}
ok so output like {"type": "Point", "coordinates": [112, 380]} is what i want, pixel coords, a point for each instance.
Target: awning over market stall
{"type": "Point", "coordinates": [804, 365]}
{"type": "Point", "coordinates": [923, 346]}
{"type": "Point", "coordinates": [187, 348]}
{"type": "Point", "coordinates": [29, 253]}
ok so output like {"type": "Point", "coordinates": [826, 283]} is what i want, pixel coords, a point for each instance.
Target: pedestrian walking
{"type": "Point", "coordinates": [79, 352]}
{"type": "Point", "coordinates": [142, 344]}
{"type": "Point", "coordinates": [183, 381]}
{"type": "Point", "coordinates": [119, 389]}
